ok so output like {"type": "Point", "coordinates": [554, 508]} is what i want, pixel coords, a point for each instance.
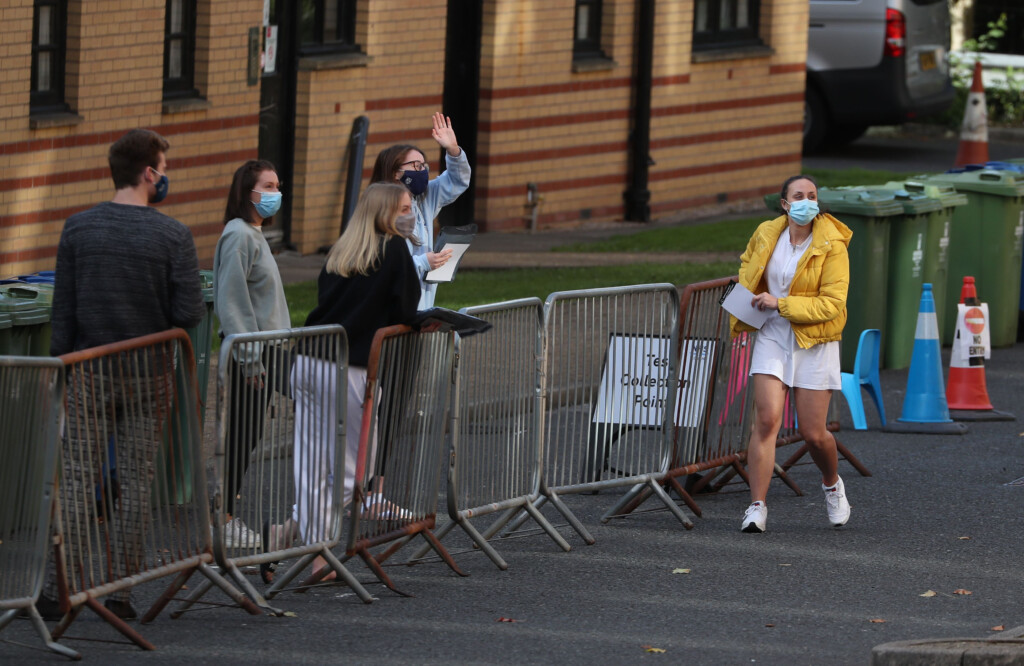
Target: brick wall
{"type": "Point", "coordinates": [114, 82]}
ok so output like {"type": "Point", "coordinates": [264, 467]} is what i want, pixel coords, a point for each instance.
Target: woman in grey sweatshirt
{"type": "Point", "coordinates": [247, 297]}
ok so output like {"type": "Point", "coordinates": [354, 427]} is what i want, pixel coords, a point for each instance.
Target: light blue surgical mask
{"type": "Point", "coordinates": [268, 205]}
{"type": "Point", "coordinates": [803, 211]}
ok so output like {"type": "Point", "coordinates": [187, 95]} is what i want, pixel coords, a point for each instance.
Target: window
{"type": "Point", "coordinates": [48, 45]}
{"type": "Point", "coordinates": [725, 23]}
{"type": "Point", "coordinates": [587, 29]}
{"type": "Point", "coordinates": [180, 49]}
{"type": "Point", "coordinates": [327, 26]}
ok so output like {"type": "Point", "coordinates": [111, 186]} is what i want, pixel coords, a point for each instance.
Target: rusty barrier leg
{"type": "Point", "coordinates": [131, 406]}
{"type": "Point", "coordinates": [396, 482]}
{"type": "Point", "coordinates": [609, 364]}
{"type": "Point", "coordinates": [280, 459]}
{"type": "Point", "coordinates": [31, 413]}
{"type": "Point", "coordinates": [495, 425]}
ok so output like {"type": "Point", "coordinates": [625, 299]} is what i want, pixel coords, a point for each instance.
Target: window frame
{"type": "Point", "coordinates": [589, 47]}
{"type": "Point", "coordinates": [345, 23]}
{"type": "Point", "coordinates": [51, 100]}
{"type": "Point", "coordinates": [719, 38]}
{"type": "Point", "coordinates": [184, 85]}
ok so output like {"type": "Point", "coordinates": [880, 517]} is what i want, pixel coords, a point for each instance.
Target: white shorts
{"type": "Point", "coordinates": [815, 368]}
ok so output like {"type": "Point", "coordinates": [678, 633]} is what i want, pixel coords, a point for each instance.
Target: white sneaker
{"type": "Point", "coordinates": [237, 535]}
{"type": "Point", "coordinates": [755, 518]}
{"type": "Point", "coordinates": [375, 507]}
{"type": "Point", "coordinates": [836, 503]}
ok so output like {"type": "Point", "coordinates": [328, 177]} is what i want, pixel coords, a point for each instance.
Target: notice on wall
{"type": "Point", "coordinates": [971, 338]}
{"type": "Point", "coordinates": [635, 381]}
{"type": "Point", "coordinates": [270, 50]}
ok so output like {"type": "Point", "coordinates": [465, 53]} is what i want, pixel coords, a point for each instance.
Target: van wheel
{"type": "Point", "coordinates": [815, 121]}
{"type": "Point", "coordinates": [844, 134]}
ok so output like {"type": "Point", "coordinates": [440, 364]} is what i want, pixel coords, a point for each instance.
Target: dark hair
{"type": "Point", "coordinates": [388, 162]}
{"type": "Point", "coordinates": [790, 181]}
{"type": "Point", "coordinates": [239, 203]}
{"type": "Point", "coordinates": [132, 153]}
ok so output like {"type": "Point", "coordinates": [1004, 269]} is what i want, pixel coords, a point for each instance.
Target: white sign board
{"type": "Point", "coordinates": [971, 338]}
{"type": "Point", "coordinates": [270, 50]}
{"type": "Point", "coordinates": [635, 379]}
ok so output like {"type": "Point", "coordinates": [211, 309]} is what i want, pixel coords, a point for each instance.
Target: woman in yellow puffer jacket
{"type": "Point", "coordinates": [799, 270]}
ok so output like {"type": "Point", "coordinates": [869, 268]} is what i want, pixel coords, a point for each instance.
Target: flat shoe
{"type": "Point", "coordinates": [267, 569]}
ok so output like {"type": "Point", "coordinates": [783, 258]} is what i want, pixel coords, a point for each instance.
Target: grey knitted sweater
{"type": "Point", "coordinates": [123, 271]}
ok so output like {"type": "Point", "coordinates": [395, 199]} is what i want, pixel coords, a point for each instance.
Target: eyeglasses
{"type": "Point", "coordinates": [416, 166]}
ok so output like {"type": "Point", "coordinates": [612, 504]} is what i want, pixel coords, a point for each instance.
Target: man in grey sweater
{"type": "Point", "coordinates": [124, 270]}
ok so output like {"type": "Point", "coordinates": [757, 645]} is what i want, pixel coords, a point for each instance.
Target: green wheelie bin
{"type": "Point", "coordinates": [175, 486]}
{"type": "Point", "coordinates": [868, 213]}
{"type": "Point", "coordinates": [28, 306]}
{"type": "Point", "coordinates": [6, 322]}
{"type": "Point", "coordinates": [986, 242]}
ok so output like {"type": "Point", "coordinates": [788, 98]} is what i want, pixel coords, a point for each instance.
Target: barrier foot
{"type": "Point", "coordinates": [478, 539]}
{"type": "Point", "coordinates": [65, 622]}
{"type": "Point", "coordinates": [523, 516]}
{"type": "Point", "coordinates": [786, 479]}
{"type": "Point", "coordinates": [628, 503]}
{"type": "Point", "coordinates": [685, 496]}
{"type": "Point", "coordinates": [281, 580]}
{"type": "Point", "coordinates": [254, 596]}
{"type": "Point", "coordinates": [119, 624]}
{"type": "Point", "coordinates": [440, 534]}
{"type": "Point", "coordinates": [569, 516]}
{"type": "Point", "coordinates": [191, 599]}
{"type": "Point", "coordinates": [670, 503]}
{"type": "Point", "coordinates": [852, 459]}
{"type": "Point", "coordinates": [346, 576]}
{"type": "Point", "coordinates": [443, 552]}
{"type": "Point", "coordinates": [378, 571]}
{"type": "Point", "coordinates": [44, 633]}
{"type": "Point", "coordinates": [548, 527]}
{"type": "Point", "coordinates": [736, 468]}
{"type": "Point", "coordinates": [168, 594]}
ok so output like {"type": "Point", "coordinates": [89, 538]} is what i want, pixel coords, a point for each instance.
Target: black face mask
{"type": "Point", "coordinates": [416, 181]}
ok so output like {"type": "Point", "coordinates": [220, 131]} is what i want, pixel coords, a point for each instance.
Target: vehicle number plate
{"type": "Point", "coordinates": [927, 60]}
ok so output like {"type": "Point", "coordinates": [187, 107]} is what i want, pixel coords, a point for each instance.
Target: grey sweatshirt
{"type": "Point", "coordinates": [247, 292]}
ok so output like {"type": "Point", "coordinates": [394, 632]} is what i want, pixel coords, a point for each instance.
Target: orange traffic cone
{"type": "Point", "coordinates": [974, 130]}
{"type": "Point", "coordinates": [966, 389]}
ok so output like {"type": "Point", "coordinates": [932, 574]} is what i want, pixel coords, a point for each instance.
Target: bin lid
{"type": "Point", "coordinates": [859, 201]}
{"type": "Point", "coordinates": [36, 294]}
{"type": "Point", "coordinates": [206, 283]}
{"type": "Point", "coordinates": [31, 316]}
{"type": "Point", "coordinates": [944, 192]}
{"type": "Point", "coordinates": [914, 203]}
{"type": "Point", "coordinates": [6, 320]}
{"type": "Point", "coordinates": [983, 181]}
{"type": "Point", "coordinates": [11, 304]}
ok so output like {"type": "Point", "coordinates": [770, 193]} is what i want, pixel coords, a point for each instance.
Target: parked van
{"type": "Point", "coordinates": [873, 62]}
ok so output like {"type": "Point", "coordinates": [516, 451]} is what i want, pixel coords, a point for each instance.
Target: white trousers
{"type": "Point", "coordinates": [314, 387]}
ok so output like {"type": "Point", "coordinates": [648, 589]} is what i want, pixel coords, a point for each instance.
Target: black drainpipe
{"type": "Point", "coordinates": [638, 197]}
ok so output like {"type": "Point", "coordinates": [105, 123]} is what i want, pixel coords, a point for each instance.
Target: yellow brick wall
{"type": "Point", "coordinates": [114, 82]}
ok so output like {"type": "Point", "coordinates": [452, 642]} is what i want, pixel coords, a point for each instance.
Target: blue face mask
{"type": "Point", "coordinates": [803, 211]}
{"type": "Point", "coordinates": [161, 186]}
{"type": "Point", "coordinates": [416, 181]}
{"type": "Point", "coordinates": [268, 205]}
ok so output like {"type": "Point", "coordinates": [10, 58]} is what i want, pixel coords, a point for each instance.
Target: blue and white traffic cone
{"type": "Point", "coordinates": [924, 404]}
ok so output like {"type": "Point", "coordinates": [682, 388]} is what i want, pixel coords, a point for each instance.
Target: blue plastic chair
{"type": "Point", "coordinates": [865, 373]}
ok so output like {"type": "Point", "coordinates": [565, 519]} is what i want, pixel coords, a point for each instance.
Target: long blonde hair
{"type": "Point", "coordinates": [359, 249]}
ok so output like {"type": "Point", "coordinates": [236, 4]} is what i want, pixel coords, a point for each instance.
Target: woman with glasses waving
{"type": "Point", "coordinates": [407, 165]}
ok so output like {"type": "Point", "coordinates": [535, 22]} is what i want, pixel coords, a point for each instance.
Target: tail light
{"type": "Point", "coordinates": [895, 33]}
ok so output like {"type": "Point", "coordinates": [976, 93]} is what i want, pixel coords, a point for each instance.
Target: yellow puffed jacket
{"type": "Point", "coordinates": [816, 305]}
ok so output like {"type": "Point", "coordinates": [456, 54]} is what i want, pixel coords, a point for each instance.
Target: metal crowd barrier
{"type": "Point", "coordinates": [31, 412]}
{"type": "Point", "coordinates": [608, 366]}
{"type": "Point", "coordinates": [117, 527]}
{"type": "Point", "coordinates": [495, 463]}
{"type": "Point", "coordinates": [280, 457]}
{"type": "Point", "coordinates": [402, 445]}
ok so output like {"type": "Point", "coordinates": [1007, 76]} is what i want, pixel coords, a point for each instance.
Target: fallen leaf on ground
{"type": "Point", "coordinates": [648, 648]}
{"type": "Point", "coordinates": [769, 625]}
{"type": "Point", "coordinates": [680, 571]}
{"type": "Point", "coordinates": [785, 565]}
{"type": "Point", "coordinates": [929, 593]}
{"type": "Point", "coordinates": [998, 627]}
{"type": "Point", "coordinates": [877, 620]}
{"type": "Point", "coordinates": [964, 538]}
{"type": "Point", "coordinates": [962, 591]}
{"type": "Point", "coordinates": [507, 619]}
{"type": "Point", "coordinates": [290, 614]}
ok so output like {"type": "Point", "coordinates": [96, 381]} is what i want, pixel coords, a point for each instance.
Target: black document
{"type": "Point", "coordinates": [463, 324]}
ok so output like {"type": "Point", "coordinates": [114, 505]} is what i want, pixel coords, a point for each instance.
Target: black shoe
{"type": "Point", "coordinates": [267, 569]}
{"type": "Point", "coordinates": [49, 609]}
{"type": "Point", "coordinates": [121, 608]}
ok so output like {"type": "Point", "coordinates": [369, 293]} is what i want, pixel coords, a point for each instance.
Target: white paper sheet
{"type": "Point", "coordinates": [447, 272]}
{"type": "Point", "coordinates": [737, 303]}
